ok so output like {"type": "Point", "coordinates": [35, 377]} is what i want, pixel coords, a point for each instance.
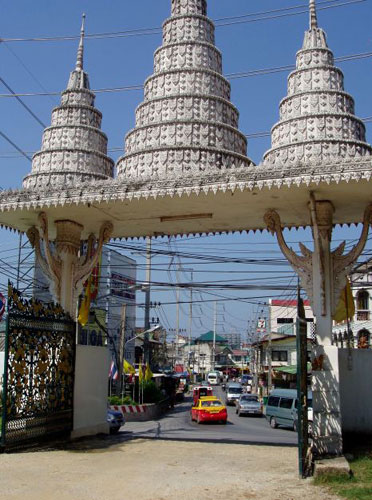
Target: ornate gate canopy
{"type": "Point", "coordinates": [185, 169]}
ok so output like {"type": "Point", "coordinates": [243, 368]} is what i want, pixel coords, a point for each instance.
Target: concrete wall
{"type": "Point", "coordinates": [91, 391]}
{"type": "Point", "coordinates": [356, 390]}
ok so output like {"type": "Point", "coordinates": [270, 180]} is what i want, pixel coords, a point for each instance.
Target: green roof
{"type": "Point", "coordinates": [208, 337]}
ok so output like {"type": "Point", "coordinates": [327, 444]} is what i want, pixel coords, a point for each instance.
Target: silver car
{"type": "Point", "coordinates": [248, 404]}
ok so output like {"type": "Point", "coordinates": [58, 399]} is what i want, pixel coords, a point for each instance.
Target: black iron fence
{"type": "Point", "coordinates": [37, 399]}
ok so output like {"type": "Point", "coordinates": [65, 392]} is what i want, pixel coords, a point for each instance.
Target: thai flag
{"type": "Point", "coordinates": [113, 373]}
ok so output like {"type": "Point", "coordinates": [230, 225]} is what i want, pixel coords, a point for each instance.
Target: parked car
{"type": "Point", "coordinates": [115, 419]}
{"type": "Point", "coordinates": [281, 408]}
{"type": "Point", "coordinates": [233, 392]}
{"type": "Point", "coordinates": [209, 409]}
{"type": "Point", "coordinates": [248, 404]}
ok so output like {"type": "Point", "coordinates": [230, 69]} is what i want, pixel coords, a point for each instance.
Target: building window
{"type": "Point", "coordinates": [284, 320]}
{"type": "Point", "coordinates": [363, 339]}
{"type": "Point", "coordinates": [363, 300]}
{"type": "Point", "coordinates": [279, 356]}
{"type": "Point", "coordinates": [362, 316]}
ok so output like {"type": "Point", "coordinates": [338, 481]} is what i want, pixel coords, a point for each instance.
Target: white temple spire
{"type": "Point", "coordinates": [80, 53]}
{"type": "Point", "coordinates": [313, 17]}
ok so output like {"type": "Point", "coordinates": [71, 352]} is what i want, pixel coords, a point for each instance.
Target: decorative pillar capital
{"type": "Point", "coordinates": [323, 272]}
{"type": "Point", "coordinates": [68, 237]}
{"type": "Point", "coordinates": [64, 264]}
{"type": "Point", "coordinates": [324, 211]}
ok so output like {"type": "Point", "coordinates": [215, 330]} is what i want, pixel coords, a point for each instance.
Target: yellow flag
{"type": "Point", "coordinates": [85, 304]}
{"type": "Point", "coordinates": [346, 306]}
{"type": "Point", "coordinates": [148, 373]}
{"type": "Point", "coordinates": [140, 374]}
{"type": "Point", "coordinates": [128, 368]}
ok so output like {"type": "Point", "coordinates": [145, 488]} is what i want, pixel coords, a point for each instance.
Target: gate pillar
{"type": "Point", "coordinates": [323, 274]}
{"type": "Point", "coordinates": [67, 262]}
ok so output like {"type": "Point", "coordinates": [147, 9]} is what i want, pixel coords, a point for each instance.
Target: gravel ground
{"type": "Point", "coordinates": [111, 469]}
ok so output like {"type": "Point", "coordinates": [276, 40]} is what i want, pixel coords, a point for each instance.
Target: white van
{"type": "Point", "coordinates": [213, 378]}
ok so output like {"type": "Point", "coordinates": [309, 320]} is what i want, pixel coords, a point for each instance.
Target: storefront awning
{"type": "Point", "coordinates": [291, 369]}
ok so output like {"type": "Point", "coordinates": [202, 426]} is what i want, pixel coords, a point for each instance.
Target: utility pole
{"type": "Point", "coordinates": [19, 259]}
{"type": "Point", "coordinates": [269, 352]}
{"type": "Point", "coordinates": [177, 320]}
{"type": "Point", "coordinates": [190, 318]}
{"type": "Point", "coordinates": [122, 347]}
{"type": "Point", "coordinates": [147, 301]}
{"type": "Point", "coordinates": [214, 336]}
{"type": "Point", "coordinates": [302, 416]}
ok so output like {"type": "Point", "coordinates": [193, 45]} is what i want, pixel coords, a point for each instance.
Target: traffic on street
{"type": "Point", "coordinates": [181, 423]}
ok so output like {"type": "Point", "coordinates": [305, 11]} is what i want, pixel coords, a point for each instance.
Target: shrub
{"type": "Point", "coordinates": [118, 401]}
{"type": "Point", "coordinates": [151, 393]}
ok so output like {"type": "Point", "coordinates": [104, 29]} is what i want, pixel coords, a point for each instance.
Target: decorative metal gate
{"type": "Point", "coordinates": [39, 372]}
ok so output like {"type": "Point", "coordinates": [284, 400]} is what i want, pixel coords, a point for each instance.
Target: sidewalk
{"type": "Point", "coordinates": [112, 469]}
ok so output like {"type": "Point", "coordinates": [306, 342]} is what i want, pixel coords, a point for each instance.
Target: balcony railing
{"type": "Point", "coordinates": [362, 315]}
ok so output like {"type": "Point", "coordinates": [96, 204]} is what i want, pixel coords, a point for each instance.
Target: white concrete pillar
{"type": "Point", "coordinates": [67, 267]}
{"type": "Point", "coordinates": [67, 250]}
{"type": "Point", "coordinates": [327, 428]}
{"type": "Point", "coordinates": [323, 276]}
{"type": "Point", "coordinates": [91, 391]}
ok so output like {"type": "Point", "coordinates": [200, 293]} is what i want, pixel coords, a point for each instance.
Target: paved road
{"type": "Point", "coordinates": [178, 425]}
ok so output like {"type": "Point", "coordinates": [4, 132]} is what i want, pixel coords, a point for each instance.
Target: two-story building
{"type": "Point", "coordinates": [361, 323]}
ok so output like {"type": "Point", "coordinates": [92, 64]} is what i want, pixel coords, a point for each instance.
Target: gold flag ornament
{"type": "Point", "coordinates": [346, 306]}
{"type": "Point", "coordinates": [85, 303]}
{"type": "Point", "coordinates": [148, 373]}
{"type": "Point", "coordinates": [128, 368]}
{"type": "Point", "coordinates": [140, 374]}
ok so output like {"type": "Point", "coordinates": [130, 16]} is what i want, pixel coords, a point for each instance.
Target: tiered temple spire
{"type": "Point", "coordinates": [74, 149]}
{"type": "Point", "coordinates": [186, 124]}
{"type": "Point", "coordinates": [317, 121]}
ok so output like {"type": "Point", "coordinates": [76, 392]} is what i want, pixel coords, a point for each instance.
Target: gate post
{"type": "Point", "coordinates": [67, 267]}
{"type": "Point", "coordinates": [323, 275]}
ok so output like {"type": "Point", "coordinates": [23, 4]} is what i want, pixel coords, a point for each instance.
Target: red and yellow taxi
{"type": "Point", "coordinates": [209, 409]}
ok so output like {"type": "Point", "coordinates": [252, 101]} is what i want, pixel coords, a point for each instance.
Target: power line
{"type": "Point", "coordinates": [242, 19]}
{"type": "Point", "coordinates": [15, 145]}
{"type": "Point", "coordinates": [22, 103]}
{"type": "Point", "coordinates": [28, 71]}
{"type": "Point", "coordinates": [229, 76]}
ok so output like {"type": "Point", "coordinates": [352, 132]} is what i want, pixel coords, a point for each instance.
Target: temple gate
{"type": "Point", "coordinates": [185, 171]}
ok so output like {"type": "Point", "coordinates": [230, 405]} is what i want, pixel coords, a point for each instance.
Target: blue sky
{"type": "Point", "coordinates": [128, 61]}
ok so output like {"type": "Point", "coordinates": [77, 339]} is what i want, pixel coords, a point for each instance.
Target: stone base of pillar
{"type": "Point", "coordinates": [327, 425]}
{"type": "Point", "coordinates": [90, 431]}
{"type": "Point", "coordinates": [91, 391]}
